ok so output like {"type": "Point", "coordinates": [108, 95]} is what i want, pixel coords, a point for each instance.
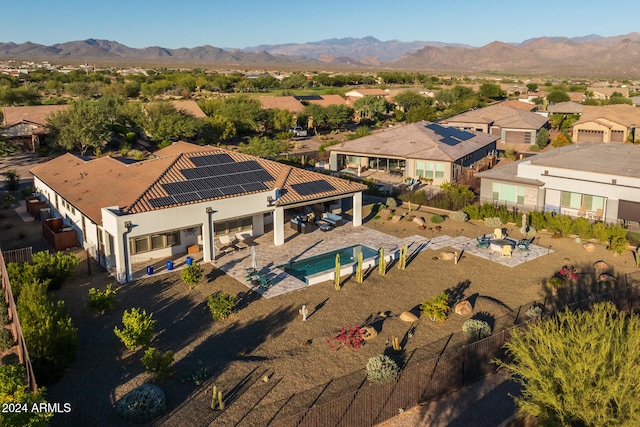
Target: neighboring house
{"type": "Point", "coordinates": [322, 100]}
{"type": "Point", "coordinates": [281, 102]}
{"type": "Point", "coordinates": [518, 105]}
{"type": "Point", "coordinates": [607, 123]}
{"type": "Point", "coordinates": [602, 180]}
{"type": "Point", "coordinates": [511, 125]}
{"type": "Point", "coordinates": [25, 126]}
{"type": "Point", "coordinates": [128, 214]}
{"type": "Point", "coordinates": [530, 97]}
{"type": "Point", "coordinates": [576, 96]}
{"type": "Point", "coordinates": [606, 92]}
{"type": "Point", "coordinates": [189, 107]}
{"type": "Point", "coordinates": [568, 107]}
{"type": "Point", "coordinates": [353, 95]}
{"type": "Point", "coordinates": [421, 149]}
{"type": "Point", "coordinates": [635, 100]}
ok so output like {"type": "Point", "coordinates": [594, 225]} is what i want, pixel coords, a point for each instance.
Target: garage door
{"type": "Point", "coordinates": [629, 210]}
{"type": "Point", "coordinates": [590, 135]}
{"type": "Point", "coordinates": [514, 137]}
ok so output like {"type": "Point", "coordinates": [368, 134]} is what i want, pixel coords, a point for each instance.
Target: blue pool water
{"type": "Point", "coordinates": [327, 261]}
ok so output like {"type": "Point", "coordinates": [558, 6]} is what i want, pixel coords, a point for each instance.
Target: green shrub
{"type": "Point", "coordinates": [138, 328]}
{"type": "Point", "coordinates": [11, 379]}
{"type": "Point", "coordinates": [437, 219]}
{"type": "Point", "coordinates": [600, 232]}
{"type": "Point", "coordinates": [618, 245]}
{"type": "Point", "coordinates": [535, 311]}
{"type": "Point", "coordinates": [49, 332]}
{"type": "Point", "coordinates": [582, 227]}
{"type": "Point", "coordinates": [475, 329]}
{"type": "Point", "coordinates": [142, 404]}
{"type": "Point", "coordinates": [493, 222]}
{"type": "Point", "coordinates": [437, 308]}
{"type": "Point", "coordinates": [157, 363]}
{"type": "Point", "coordinates": [137, 154]}
{"type": "Point", "coordinates": [101, 301]}
{"type": "Point", "coordinates": [459, 216]}
{"type": "Point", "coordinates": [52, 270]}
{"type": "Point", "coordinates": [560, 224]}
{"type": "Point", "coordinates": [418, 197]}
{"type": "Point", "coordinates": [391, 203]}
{"type": "Point", "coordinates": [6, 339]}
{"type": "Point", "coordinates": [13, 390]}
{"type": "Point", "coordinates": [191, 274]}
{"type": "Point", "coordinates": [4, 313]}
{"type": "Point", "coordinates": [534, 148]}
{"type": "Point", "coordinates": [221, 305]}
{"type": "Point", "coordinates": [381, 369]}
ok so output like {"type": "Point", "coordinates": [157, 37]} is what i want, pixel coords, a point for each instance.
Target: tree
{"type": "Point", "coordinates": [216, 129]}
{"type": "Point", "coordinates": [421, 112]}
{"type": "Point", "coordinates": [82, 126]}
{"type": "Point", "coordinates": [491, 91]}
{"type": "Point", "coordinates": [279, 120]}
{"type": "Point", "coordinates": [13, 391]}
{"type": "Point", "coordinates": [532, 87]}
{"type": "Point", "coordinates": [542, 138]}
{"type": "Point", "coordinates": [408, 100]}
{"type": "Point", "coordinates": [51, 338]}
{"type": "Point", "coordinates": [560, 141]}
{"type": "Point", "coordinates": [579, 368]}
{"type": "Point", "coordinates": [263, 147]}
{"type": "Point", "coordinates": [370, 107]}
{"type": "Point", "coordinates": [163, 122]}
{"type": "Point", "coordinates": [556, 96]}
{"type": "Point", "coordinates": [457, 196]}
{"type": "Point", "coordinates": [245, 113]}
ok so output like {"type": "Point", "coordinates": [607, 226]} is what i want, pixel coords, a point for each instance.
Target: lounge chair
{"type": "Point", "coordinates": [498, 234]}
{"type": "Point", "coordinates": [483, 242]}
{"type": "Point", "coordinates": [222, 247]}
{"type": "Point", "coordinates": [243, 241]}
{"type": "Point", "coordinates": [332, 219]}
{"type": "Point", "coordinates": [229, 240]}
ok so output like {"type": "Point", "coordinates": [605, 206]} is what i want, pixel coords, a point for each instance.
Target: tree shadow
{"type": "Point", "coordinates": [456, 293]}
{"type": "Point", "coordinates": [485, 317]}
{"type": "Point", "coordinates": [318, 307]}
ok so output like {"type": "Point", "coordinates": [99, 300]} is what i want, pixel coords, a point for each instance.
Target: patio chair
{"type": "Point", "coordinates": [222, 248]}
{"type": "Point", "coordinates": [229, 241]}
{"type": "Point", "coordinates": [498, 234]}
{"type": "Point", "coordinates": [506, 251]}
{"type": "Point", "coordinates": [599, 215]}
{"type": "Point", "coordinates": [252, 274]}
{"type": "Point", "coordinates": [483, 242]}
{"type": "Point", "coordinates": [244, 241]}
{"type": "Point", "coordinates": [523, 245]}
{"type": "Point", "coordinates": [583, 211]}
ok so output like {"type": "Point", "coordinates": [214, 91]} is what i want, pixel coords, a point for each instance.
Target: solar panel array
{"type": "Point", "coordinates": [451, 136]}
{"type": "Point", "coordinates": [215, 175]}
{"type": "Point", "coordinates": [313, 187]}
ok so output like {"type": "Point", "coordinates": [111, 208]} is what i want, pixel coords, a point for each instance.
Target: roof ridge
{"type": "Point", "coordinates": [162, 175]}
{"type": "Point", "coordinates": [282, 177]}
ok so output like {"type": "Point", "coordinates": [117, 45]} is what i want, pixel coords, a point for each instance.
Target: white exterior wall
{"type": "Point", "coordinates": [585, 182]}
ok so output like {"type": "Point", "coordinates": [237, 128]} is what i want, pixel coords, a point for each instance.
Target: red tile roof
{"type": "Point", "coordinates": [33, 114]}
{"type": "Point", "coordinates": [92, 185]}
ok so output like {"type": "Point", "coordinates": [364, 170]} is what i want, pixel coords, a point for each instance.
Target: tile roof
{"type": "Point", "coordinates": [281, 102]}
{"type": "Point", "coordinates": [415, 141]}
{"type": "Point", "coordinates": [624, 114]}
{"type": "Point", "coordinates": [504, 117]}
{"type": "Point", "coordinates": [568, 107]}
{"type": "Point", "coordinates": [520, 105]}
{"type": "Point", "coordinates": [92, 185]}
{"type": "Point", "coordinates": [33, 114]}
{"type": "Point", "coordinates": [326, 100]}
{"type": "Point", "coordinates": [189, 107]}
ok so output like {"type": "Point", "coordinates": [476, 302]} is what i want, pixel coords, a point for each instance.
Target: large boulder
{"type": "Point", "coordinates": [407, 316]}
{"type": "Point", "coordinates": [447, 256]}
{"type": "Point", "coordinates": [368, 333]}
{"type": "Point", "coordinates": [601, 266]}
{"type": "Point", "coordinates": [463, 308]}
{"type": "Point", "coordinates": [420, 221]}
{"type": "Point", "coordinates": [589, 247]}
{"type": "Point", "coordinates": [607, 278]}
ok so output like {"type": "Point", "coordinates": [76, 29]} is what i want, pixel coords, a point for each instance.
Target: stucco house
{"type": "Point", "coordinates": [510, 125]}
{"type": "Point", "coordinates": [421, 149]}
{"type": "Point", "coordinates": [24, 126]}
{"type": "Point", "coordinates": [281, 102]}
{"type": "Point", "coordinates": [595, 180]}
{"type": "Point", "coordinates": [607, 123]}
{"type": "Point", "coordinates": [128, 214]}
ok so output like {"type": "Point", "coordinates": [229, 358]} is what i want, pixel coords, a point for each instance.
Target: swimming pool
{"type": "Point", "coordinates": [327, 261]}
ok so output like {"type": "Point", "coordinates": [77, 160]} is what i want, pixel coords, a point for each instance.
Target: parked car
{"type": "Point", "coordinates": [298, 131]}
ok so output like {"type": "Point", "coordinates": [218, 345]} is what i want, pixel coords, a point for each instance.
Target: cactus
{"type": "Point", "coordinates": [214, 395]}
{"type": "Point", "coordinates": [337, 273]}
{"type": "Point", "coordinates": [395, 342]}
{"type": "Point", "coordinates": [359, 273]}
{"type": "Point", "coordinates": [382, 263]}
{"type": "Point", "coordinates": [220, 401]}
{"type": "Point", "coordinates": [402, 261]}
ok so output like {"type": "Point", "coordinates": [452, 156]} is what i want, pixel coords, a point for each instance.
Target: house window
{"type": "Point", "coordinates": [353, 161]}
{"type": "Point", "coordinates": [152, 242]}
{"type": "Point", "coordinates": [429, 170]}
{"type": "Point", "coordinates": [577, 200]}
{"type": "Point", "coordinates": [507, 193]}
{"type": "Point", "coordinates": [233, 225]}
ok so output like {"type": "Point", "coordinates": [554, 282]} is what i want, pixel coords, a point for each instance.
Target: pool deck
{"type": "Point", "coordinates": [300, 246]}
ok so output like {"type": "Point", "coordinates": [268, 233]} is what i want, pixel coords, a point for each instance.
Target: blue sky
{"type": "Point", "coordinates": [243, 23]}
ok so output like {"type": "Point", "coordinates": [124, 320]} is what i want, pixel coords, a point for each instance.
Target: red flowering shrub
{"type": "Point", "coordinates": [567, 273]}
{"type": "Point", "coordinates": [351, 336]}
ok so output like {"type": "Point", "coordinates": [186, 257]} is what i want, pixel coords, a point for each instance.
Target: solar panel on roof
{"type": "Point", "coordinates": [186, 197]}
{"type": "Point", "coordinates": [211, 159]}
{"type": "Point", "coordinates": [312, 187]}
{"type": "Point", "coordinates": [254, 186]}
{"type": "Point", "coordinates": [450, 141]}
{"type": "Point", "coordinates": [231, 190]}
{"type": "Point", "coordinates": [162, 201]}
{"type": "Point", "coordinates": [210, 193]}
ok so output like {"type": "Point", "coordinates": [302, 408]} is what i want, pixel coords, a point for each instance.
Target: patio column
{"type": "Point", "coordinates": [357, 209]}
{"type": "Point", "coordinates": [207, 238]}
{"type": "Point", "coordinates": [278, 226]}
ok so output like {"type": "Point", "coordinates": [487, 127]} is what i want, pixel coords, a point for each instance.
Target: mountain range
{"type": "Point", "coordinates": [588, 56]}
